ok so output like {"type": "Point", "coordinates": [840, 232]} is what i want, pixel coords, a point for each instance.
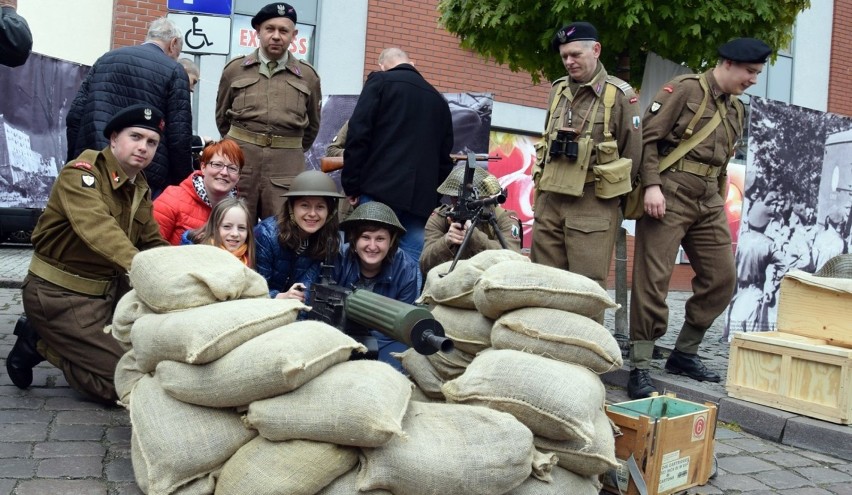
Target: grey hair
{"type": "Point", "coordinates": [190, 67]}
{"type": "Point", "coordinates": [393, 56]}
{"type": "Point", "coordinates": [164, 30]}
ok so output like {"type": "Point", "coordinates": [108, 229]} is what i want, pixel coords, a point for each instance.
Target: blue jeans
{"type": "Point", "coordinates": [412, 241]}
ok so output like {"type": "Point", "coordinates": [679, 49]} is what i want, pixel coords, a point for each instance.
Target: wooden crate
{"type": "Point", "coordinates": [670, 439]}
{"type": "Point", "coordinates": [793, 373]}
{"type": "Point", "coordinates": [816, 307]}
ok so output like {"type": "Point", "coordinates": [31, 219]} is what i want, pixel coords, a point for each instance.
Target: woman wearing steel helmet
{"type": "Point", "coordinates": [371, 260]}
{"type": "Point", "coordinates": [291, 245]}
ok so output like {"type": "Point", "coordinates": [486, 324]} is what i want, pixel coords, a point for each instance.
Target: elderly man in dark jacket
{"type": "Point", "coordinates": [398, 145]}
{"type": "Point", "coordinates": [148, 73]}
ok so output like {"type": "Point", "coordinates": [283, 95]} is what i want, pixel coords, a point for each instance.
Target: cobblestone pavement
{"type": "Point", "coordinates": [53, 442]}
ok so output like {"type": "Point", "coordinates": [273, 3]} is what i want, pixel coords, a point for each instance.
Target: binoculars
{"type": "Point", "coordinates": [565, 144]}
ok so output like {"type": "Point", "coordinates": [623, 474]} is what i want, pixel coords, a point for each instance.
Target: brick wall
{"type": "Point", "coordinates": [131, 18]}
{"type": "Point", "coordinates": [413, 26]}
{"type": "Point", "coordinates": [840, 75]}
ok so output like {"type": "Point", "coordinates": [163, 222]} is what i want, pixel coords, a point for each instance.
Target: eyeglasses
{"type": "Point", "coordinates": [217, 166]}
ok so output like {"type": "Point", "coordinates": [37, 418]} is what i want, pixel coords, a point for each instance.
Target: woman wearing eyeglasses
{"type": "Point", "coordinates": [187, 205]}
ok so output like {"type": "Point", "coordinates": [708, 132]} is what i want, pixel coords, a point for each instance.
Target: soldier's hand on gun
{"type": "Point", "coordinates": [655, 202]}
{"type": "Point", "coordinates": [455, 235]}
{"type": "Point", "coordinates": [297, 291]}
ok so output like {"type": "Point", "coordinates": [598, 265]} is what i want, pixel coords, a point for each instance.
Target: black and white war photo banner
{"type": "Point", "coordinates": [798, 195]}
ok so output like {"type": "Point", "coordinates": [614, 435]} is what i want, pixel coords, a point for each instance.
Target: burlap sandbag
{"type": "Point", "coordinates": [127, 375]}
{"type": "Point", "coordinates": [128, 309]}
{"type": "Point", "coordinates": [456, 288]}
{"type": "Point", "coordinates": [202, 335]}
{"type": "Point", "coordinates": [467, 328]}
{"type": "Point", "coordinates": [174, 443]}
{"type": "Point", "coordinates": [512, 284]}
{"type": "Point", "coordinates": [554, 399]}
{"type": "Point", "coordinates": [420, 396]}
{"type": "Point", "coordinates": [348, 485]}
{"type": "Point", "coordinates": [456, 449]}
{"type": "Point", "coordinates": [564, 483]}
{"type": "Point", "coordinates": [559, 335]}
{"type": "Point", "coordinates": [422, 372]}
{"type": "Point", "coordinates": [182, 277]}
{"type": "Point", "coordinates": [449, 365]}
{"type": "Point", "coordinates": [271, 364]}
{"type": "Point", "coordinates": [358, 403]}
{"type": "Point", "coordinates": [590, 459]}
{"type": "Point", "coordinates": [296, 467]}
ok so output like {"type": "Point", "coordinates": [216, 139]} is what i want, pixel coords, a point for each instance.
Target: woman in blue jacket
{"type": "Point", "coordinates": [371, 260]}
{"type": "Point", "coordinates": [289, 247]}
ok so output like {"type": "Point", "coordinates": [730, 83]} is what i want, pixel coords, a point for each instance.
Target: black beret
{"type": "Point", "coordinates": [746, 50]}
{"type": "Point", "coordinates": [142, 115]}
{"type": "Point", "coordinates": [273, 10]}
{"type": "Point", "coordinates": [576, 31]}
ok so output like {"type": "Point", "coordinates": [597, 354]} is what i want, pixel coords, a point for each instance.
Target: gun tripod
{"type": "Point", "coordinates": [485, 214]}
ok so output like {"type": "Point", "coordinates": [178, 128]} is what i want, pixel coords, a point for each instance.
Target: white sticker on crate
{"type": "Point", "coordinates": [674, 471]}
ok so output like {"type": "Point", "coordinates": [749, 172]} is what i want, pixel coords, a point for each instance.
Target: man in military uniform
{"type": "Point", "coordinates": [584, 166]}
{"type": "Point", "coordinates": [444, 234]}
{"type": "Point", "coordinates": [98, 216]}
{"type": "Point", "coordinates": [269, 102]}
{"type": "Point", "coordinates": [685, 206]}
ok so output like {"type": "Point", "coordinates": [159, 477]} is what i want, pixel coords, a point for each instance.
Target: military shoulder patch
{"type": "Point", "coordinates": [88, 181]}
{"type": "Point", "coordinates": [636, 122]}
{"type": "Point", "coordinates": [655, 107]}
{"type": "Point", "coordinates": [516, 232]}
{"type": "Point", "coordinates": [82, 165]}
{"type": "Point", "coordinates": [668, 88]}
{"type": "Point", "coordinates": [633, 100]}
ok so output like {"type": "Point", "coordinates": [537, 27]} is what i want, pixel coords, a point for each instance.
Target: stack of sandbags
{"type": "Point", "coordinates": [529, 347]}
{"type": "Point", "coordinates": [229, 393]}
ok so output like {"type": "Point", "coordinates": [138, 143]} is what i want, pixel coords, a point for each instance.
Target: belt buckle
{"type": "Point", "coordinates": [268, 139]}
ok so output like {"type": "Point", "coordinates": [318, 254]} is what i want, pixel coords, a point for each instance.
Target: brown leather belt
{"type": "Point", "coordinates": [70, 281]}
{"type": "Point", "coordinates": [266, 140]}
{"type": "Point", "coordinates": [697, 168]}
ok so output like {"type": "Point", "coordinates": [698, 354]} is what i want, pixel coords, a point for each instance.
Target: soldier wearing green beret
{"type": "Point", "coordinates": [690, 131]}
{"type": "Point", "coordinates": [98, 216]}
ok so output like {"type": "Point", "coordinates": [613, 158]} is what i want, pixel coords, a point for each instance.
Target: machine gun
{"type": "Point", "coordinates": [470, 206]}
{"type": "Point", "coordinates": [356, 311]}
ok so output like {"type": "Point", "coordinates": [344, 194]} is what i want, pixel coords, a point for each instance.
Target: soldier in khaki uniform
{"type": "Point", "coordinates": [684, 206]}
{"type": "Point", "coordinates": [443, 235]}
{"type": "Point", "coordinates": [591, 150]}
{"type": "Point", "coordinates": [98, 216]}
{"type": "Point", "coordinates": [269, 102]}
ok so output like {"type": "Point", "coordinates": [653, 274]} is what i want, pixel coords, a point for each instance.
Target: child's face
{"type": "Point", "coordinates": [234, 229]}
{"type": "Point", "coordinates": [310, 213]}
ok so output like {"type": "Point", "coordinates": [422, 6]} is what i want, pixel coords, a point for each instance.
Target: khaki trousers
{"type": "Point", "coordinates": [266, 176]}
{"type": "Point", "coordinates": [72, 325]}
{"type": "Point", "coordinates": [695, 218]}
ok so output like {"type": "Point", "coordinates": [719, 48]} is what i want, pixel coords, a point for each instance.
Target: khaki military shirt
{"type": "Point", "coordinates": [338, 144]}
{"type": "Point", "coordinates": [624, 123]}
{"type": "Point", "coordinates": [96, 220]}
{"type": "Point", "coordinates": [285, 102]}
{"type": "Point", "coordinates": [436, 250]}
{"type": "Point", "coordinates": [669, 114]}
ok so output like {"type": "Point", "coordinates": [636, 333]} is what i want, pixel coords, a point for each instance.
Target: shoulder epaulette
{"type": "Point", "coordinates": [308, 65]}
{"type": "Point", "coordinates": [684, 77]}
{"type": "Point", "coordinates": [563, 78]}
{"type": "Point", "coordinates": [235, 59]}
{"type": "Point", "coordinates": [624, 86]}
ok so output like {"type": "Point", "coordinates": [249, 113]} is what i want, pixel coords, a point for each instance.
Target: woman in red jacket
{"type": "Point", "coordinates": [187, 205]}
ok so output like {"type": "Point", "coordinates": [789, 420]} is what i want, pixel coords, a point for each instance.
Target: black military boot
{"type": "Point", "coordinates": [681, 363]}
{"type": "Point", "coordinates": [639, 385]}
{"type": "Point", "coordinates": [23, 356]}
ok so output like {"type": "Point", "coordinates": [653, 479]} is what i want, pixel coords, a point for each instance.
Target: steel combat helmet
{"type": "Point", "coordinates": [313, 183]}
{"type": "Point", "coordinates": [487, 184]}
{"type": "Point", "coordinates": [373, 212]}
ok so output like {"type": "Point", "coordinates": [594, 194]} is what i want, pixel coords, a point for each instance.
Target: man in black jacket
{"type": "Point", "coordinates": [16, 40]}
{"type": "Point", "coordinates": [148, 73]}
{"type": "Point", "coordinates": [398, 145]}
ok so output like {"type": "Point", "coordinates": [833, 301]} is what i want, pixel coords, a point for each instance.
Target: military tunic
{"type": "Point", "coordinates": [95, 221]}
{"type": "Point", "coordinates": [282, 105]}
{"type": "Point", "coordinates": [338, 144]}
{"type": "Point", "coordinates": [577, 233]}
{"type": "Point", "coordinates": [436, 250]}
{"type": "Point", "coordinates": [695, 215]}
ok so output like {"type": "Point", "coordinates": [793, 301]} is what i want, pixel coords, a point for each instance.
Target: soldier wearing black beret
{"type": "Point", "coordinates": [269, 103]}
{"type": "Point", "coordinates": [591, 131]}
{"type": "Point", "coordinates": [690, 132]}
{"type": "Point", "coordinates": [98, 216]}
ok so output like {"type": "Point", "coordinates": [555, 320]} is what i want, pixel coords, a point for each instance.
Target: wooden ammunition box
{"type": "Point", "coordinates": [670, 439]}
{"type": "Point", "coordinates": [792, 373]}
{"type": "Point", "coordinates": [816, 307]}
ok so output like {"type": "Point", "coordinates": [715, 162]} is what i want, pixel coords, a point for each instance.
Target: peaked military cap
{"type": "Point", "coordinates": [142, 115]}
{"type": "Point", "coordinates": [576, 31]}
{"type": "Point", "coordinates": [487, 184]}
{"type": "Point", "coordinates": [745, 50]}
{"type": "Point", "coordinates": [759, 215]}
{"type": "Point", "coordinates": [373, 212]}
{"type": "Point", "coordinates": [279, 9]}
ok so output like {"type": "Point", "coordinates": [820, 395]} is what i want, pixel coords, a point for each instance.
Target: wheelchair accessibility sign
{"type": "Point", "coordinates": [204, 34]}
